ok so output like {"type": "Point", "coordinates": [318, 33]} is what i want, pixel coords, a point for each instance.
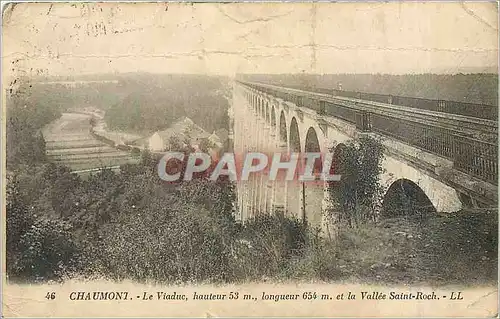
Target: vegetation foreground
{"type": "Point", "coordinates": [132, 226]}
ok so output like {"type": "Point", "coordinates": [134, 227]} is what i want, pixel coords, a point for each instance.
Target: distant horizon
{"type": "Point", "coordinates": [478, 88]}
{"type": "Point", "coordinates": [489, 72]}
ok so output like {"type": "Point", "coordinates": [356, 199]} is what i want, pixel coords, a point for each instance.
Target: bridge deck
{"type": "Point", "coordinates": [470, 142]}
{"type": "Point", "coordinates": [483, 111]}
{"type": "Point", "coordinates": [472, 126]}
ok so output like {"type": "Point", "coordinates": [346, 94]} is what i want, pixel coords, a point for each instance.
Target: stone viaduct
{"type": "Point", "coordinates": [447, 161]}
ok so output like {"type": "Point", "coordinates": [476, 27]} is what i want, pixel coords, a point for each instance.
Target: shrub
{"type": "Point", "coordinates": [266, 245]}
{"type": "Point", "coordinates": [178, 243]}
{"type": "Point", "coordinates": [47, 251]}
{"type": "Point", "coordinates": [319, 262]}
{"type": "Point", "coordinates": [357, 196]}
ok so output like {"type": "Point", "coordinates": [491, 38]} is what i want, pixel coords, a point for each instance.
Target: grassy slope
{"type": "Point", "coordinates": [458, 248]}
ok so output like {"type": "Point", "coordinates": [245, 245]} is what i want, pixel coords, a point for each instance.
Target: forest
{"type": "Point", "coordinates": [153, 102]}
{"type": "Point", "coordinates": [142, 103]}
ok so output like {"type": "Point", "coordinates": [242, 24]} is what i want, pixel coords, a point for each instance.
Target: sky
{"type": "Point", "coordinates": [211, 38]}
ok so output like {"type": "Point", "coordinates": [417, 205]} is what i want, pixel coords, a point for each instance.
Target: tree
{"type": "Point", "coordinates": [175, 143]}
{"type": "Point", "coordinates": [206, 145]}
{"type": "Point", "coordinates": [47, 250]}
{"type": "Point", "coordinates": [356, 198]}
{"type": "Point", "coordinates": [147, 159]}
{"type": "Point", "coordinates": [19, 220]}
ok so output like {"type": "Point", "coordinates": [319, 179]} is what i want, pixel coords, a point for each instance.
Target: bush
{"type": "Point", "coordinates": [47, 251]}
{"type": "Point", "coordinates": [357, 196]}
{"type": "Point", "coordinates": [172, 244]}
{"type": "Point", "coordinates": [266, 245]}
{"type": "Point", "coordinates": [319, 261]}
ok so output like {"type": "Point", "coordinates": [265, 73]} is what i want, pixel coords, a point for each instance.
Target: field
{"type": "Point", "coordinates": [69, 142]}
